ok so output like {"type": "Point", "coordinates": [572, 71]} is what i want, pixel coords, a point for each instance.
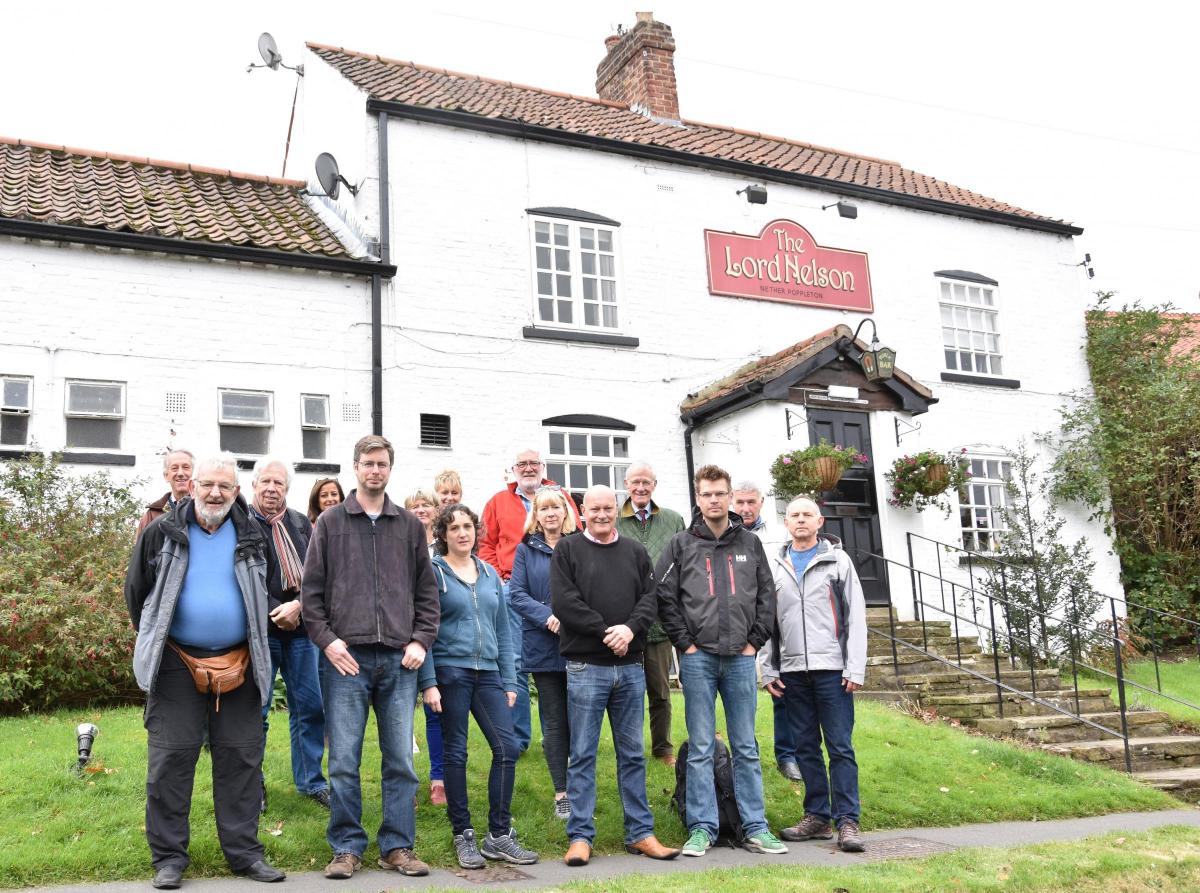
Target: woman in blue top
{"type": "Point", "coordinates": [529, 590]}
{"type": "Point", "coordinates": [470, 671]}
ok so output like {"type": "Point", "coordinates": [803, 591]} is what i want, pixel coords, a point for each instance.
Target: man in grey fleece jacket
{"type": "Point", "coordinates": [815, 661]}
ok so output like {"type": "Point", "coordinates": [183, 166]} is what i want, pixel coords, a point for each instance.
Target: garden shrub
{"type": "Point", "coordinates": [65, 635]}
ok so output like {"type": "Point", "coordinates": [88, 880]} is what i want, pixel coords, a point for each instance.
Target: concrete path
{"type": "Point", "coordinates": [553, 873]}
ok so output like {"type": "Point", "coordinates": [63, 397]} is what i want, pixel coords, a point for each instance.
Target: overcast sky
{"type": "Point", "coordinates": [1083, 111]}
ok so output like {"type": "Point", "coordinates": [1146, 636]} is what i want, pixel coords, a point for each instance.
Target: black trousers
{"type": "Point", "coordinates": [177, 717]}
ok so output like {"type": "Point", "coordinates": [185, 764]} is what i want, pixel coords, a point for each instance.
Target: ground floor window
{"type": "Point", "coordinates": [982, 500]}
{"type": "Point", "coordinates": [579, 459]}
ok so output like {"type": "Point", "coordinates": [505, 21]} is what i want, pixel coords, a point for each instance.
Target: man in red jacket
{"type": "Point", "coordinates": [503, 525]}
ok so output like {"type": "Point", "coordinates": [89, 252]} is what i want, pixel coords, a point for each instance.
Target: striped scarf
{"type": "Point", "coordinates": [289, 558]}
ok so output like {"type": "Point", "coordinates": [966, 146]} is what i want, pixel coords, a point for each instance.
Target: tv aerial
{"type": "Point", "coordinates": [330, 177]}
{"type": "Point", "coordinates": [271, 58]}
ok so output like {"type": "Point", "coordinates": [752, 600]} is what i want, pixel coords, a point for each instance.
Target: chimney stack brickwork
{"type": "Point", "coordinates": [640, 68]}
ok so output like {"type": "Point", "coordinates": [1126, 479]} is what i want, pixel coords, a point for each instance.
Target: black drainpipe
{"type": "Point", "coordinates": [377, 283]}
{"type": "Point", "coordinates": [691, 461]}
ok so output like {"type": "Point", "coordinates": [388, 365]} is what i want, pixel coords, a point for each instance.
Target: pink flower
{"type": "Point", "coordinates": [787, 460]}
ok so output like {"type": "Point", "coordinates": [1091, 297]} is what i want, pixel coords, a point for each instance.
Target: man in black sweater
{"type": "Point", "coordinates": [602, 591]}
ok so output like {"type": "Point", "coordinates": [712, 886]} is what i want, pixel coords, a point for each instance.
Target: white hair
{"type": "Point", "coordinates": [640, 466]}
{"type": "Point", "coordinates": [266, 462]}
{"type": "Point", "coordinates": [169, 453]}
{"type": "Point", "coordinates": [224, 460]}
{"type": "Point", "coordinates": [742, 486]}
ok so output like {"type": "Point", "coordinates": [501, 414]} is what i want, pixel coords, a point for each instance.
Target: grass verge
{"type": "Point", "coordinates": [58, 828]}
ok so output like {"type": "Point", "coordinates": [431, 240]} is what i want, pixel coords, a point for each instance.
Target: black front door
{"type": "Point", "coordinates": [851, 510]}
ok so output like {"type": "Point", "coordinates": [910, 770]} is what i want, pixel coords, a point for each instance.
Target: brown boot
{"type": "Point", "coordinates": [649, 846]}
{"type": "Point", "coordinates": [578, 853]}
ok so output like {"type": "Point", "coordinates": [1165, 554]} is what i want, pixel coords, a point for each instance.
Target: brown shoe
{"type": "Point", "coordinates": [404, 861]}
{"type": "Point", "coordinates": [649, 846]}
{"type": "Point", "coordinates": [437, 793]}
{"type": "Point", "coordinates": [849, 838]}
{"type": "Point", "coordinates": [578, 854]}
{"type": "Point", "coordinates": [811, 827]}
{"type": "Point", "coordinates": [667, 759]}
{"type": "Point", "coordinates": [343, 866]}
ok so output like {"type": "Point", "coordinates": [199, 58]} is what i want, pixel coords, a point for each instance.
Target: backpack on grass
{"type": "Point", "coordinates": [729, 820]}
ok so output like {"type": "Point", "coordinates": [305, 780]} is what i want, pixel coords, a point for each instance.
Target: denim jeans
{"type": "Point", "coordinates": [522, 716]}
{"type": "Point", "coordinates": [296, 657]}
{"type": "Point", "coordinates": [478, 693]}
{"type": "Point", "coordinates": [703, 676]}
{"type": "Point", "coordinates": [556, 726]}
{"type": "Point", "coordinates": [384, 683]}
{"type": "Point", "coordinates": [620, 691]}
{"type": "Point", "coordinates": [433, 744]}
{"type": "Point", "coordinates": [818, 707]}
{"type": "Point", "coordinates": [785, 748]}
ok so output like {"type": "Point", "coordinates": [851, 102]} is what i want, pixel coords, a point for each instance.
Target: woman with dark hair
{"type": "Point", "coordinates": [326, 493]}
{"type": "Point", "coordinates": [470, 671]}
{"type": "Point", "coordinates": [550, 519]}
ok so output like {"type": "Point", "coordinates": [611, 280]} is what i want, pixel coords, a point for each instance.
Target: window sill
{"type": "Point", "coordinates": [73, 458]}
{"type": "Point", "coordinates": [435, 446]}
{"type": "Point", "coordinates": [16, 452]}
{"type": "Point", "coordinates": [985, 380]}
{"type": "Point", "coordinates": [578, 335]}
{"type": "Point", "coordinates": [311, 467]}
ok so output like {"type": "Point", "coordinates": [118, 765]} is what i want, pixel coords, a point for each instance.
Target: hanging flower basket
{"type": "Point", "coordinates": [812, 470]}
{"type": "Point", "coordinates": [923, 479]}
{"type": "Point", "coordinates": [827, 470]}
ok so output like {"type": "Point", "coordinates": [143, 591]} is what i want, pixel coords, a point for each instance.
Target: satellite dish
{"type": "Point", "coordinates": [328, 175]}
{"type": "Point", "coordinates": [269, 50]}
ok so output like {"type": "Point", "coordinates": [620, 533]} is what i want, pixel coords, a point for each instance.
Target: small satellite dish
{"type": "Point", "coordinates": [269, 50]}
{"type": "Point", "coordinates": [330, 177]}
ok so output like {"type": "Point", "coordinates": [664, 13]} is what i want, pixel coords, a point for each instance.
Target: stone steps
{"type": "Point", "coordinates": [1151, 754]}
{"type": "Point", "coordinates": [1183, 784]}
{"type": "Point", "coordinates": [968, 707]}
{"type": "Point", "coordinates": [1057, 728]}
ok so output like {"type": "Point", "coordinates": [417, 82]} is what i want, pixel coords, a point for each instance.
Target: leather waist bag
{"type": "Point", "coordinates": [219, 674]}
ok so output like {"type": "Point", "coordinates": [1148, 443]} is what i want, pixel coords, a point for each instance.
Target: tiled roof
{"type": "Point", "coordinates": [772, 367]}
{"type": "Point", "coordinates": [418, 85]}
{"type": "Point", "coordinates": [77, 187]}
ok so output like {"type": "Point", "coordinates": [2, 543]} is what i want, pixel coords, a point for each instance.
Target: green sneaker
{"type": "Point", "coordinates": [765, 842]}
{"type": "Point", "coordinates": [697, 844]}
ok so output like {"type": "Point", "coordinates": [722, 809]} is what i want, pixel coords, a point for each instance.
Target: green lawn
{"type": "Point", "coordinates": [1180, 679]}
{"type": "Point", "coordinates": [1166, 860]}
{"type": "Point", "coordinates": [57, 828]}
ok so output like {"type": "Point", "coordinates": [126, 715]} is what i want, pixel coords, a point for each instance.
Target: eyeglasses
{"type": "Point", "coordinates": [716, 494]}
{"type": "Point", "coordinates": [370, 466]}
{"type": "Point", "coordinates": [537, 464]}
{"type": "Point", "coordinates": [549, 488]}
{"type": "Point", "coordinates": [220, 485]}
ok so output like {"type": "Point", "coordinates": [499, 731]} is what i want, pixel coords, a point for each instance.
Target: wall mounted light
{"type": "Point", "coordinates": [755, 194]}
{"type": "Point", "coordinates": [845, 209]}
{"type": "Point", "coordinates": [1086, 263]}
{"type": "Point", "coordinates": [878, 362]}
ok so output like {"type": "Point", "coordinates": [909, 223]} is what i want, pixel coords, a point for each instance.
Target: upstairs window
{"type": "Point", "coordinates": [95, 412]}
{"type": "Point", "coordinates": [16, 405]}
{"type": "Point", "coordinates": [970, 334]}
{"type": "Point", "coordinates": [246, 419]}
{"type": "Point", "coordinates": [314, 425]}
{"type": "Point", "coordinates": [575, 271]}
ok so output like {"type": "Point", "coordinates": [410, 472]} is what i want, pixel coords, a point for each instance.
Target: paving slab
{"type": "Point", "coordinates": [881, 846]}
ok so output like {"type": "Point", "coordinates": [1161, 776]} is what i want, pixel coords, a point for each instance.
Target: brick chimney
{"type": "Point", "coordinates": [639, 68]}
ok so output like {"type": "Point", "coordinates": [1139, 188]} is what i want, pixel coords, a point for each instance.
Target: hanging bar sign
{"type": "Point", "coordinates": [785, 263]}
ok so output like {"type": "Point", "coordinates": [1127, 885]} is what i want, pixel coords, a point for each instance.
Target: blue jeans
{"type": "Point", "coordinates": [384, 683]}
{"type": "Point", "coordinates": [478, 693]}
{"type": "Point", "coordinates": [703, 676]}
{"type": "Point", "coordinates": [433, 744]}
{"type": "Point", "coordinates": [592, 690]}
{"type": "Point", "coordinates": [818, 707]}
{"type": "Point", "coordinates": [522, 717]}
{"type": "Point", "coordinates": [785, 749]}
{"type": "Point", "coordinates": [297, 659]}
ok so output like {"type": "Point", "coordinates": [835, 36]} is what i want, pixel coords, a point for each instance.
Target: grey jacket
{"type": "Point", "coordinates": [155, 578]}
{"type": "Point", "coordinates": [815, 632]}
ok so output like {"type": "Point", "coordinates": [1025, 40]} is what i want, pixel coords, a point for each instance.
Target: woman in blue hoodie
{"type": "Point", "coordinates": [470, 671]}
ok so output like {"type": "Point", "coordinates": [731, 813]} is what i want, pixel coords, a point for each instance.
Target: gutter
{"type": "Point", "coordinates": [82, 235]}
{"type": "Point", "coordinates": [385, 252]}
{"type": "Point", "coordinates": [522, 130]}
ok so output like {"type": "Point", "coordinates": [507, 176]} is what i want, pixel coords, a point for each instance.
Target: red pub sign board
{"type": "Point", "coordinates": [785, 263]}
